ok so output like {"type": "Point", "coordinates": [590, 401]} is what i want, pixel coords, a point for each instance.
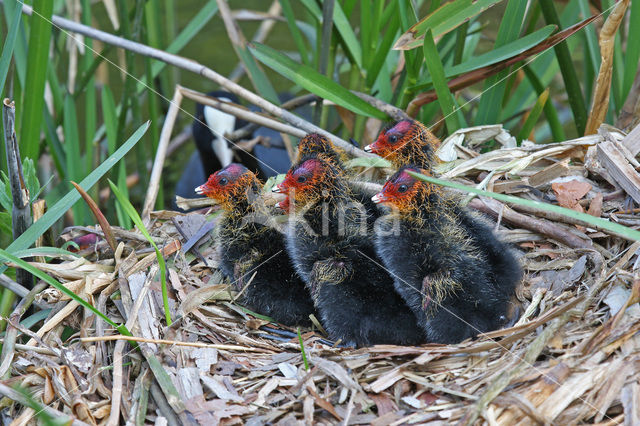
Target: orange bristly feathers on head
{"type": "Point", "coordinates": [302, 183]}
{"type": "Point", "coordinates": [407, 142]}
{"type": "Point", "coordinates": [404, 192]}
{"type": "Point", "coordinates": [229, 186]}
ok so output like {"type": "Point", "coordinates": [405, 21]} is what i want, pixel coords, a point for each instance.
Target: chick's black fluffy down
{"type": "Point", "coordinates": [349, 285]}
{"type": "Point", "coordinates": [248, 247]}
{"type": "Point", "coordinates": [445, 276]}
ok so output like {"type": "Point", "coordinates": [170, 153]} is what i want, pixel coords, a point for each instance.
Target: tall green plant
{"type": "Point", "coordinates": [37, 63]}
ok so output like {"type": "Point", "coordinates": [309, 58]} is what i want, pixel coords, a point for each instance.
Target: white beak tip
{"type": "Point", "coordinates": [368, 148]}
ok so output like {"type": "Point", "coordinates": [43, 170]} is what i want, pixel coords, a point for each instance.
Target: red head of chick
{"type": "Point", "coordinates": [232, 187]}
{"type": "Point", "coordinates": [408, 195]}
{"type": "Point", "coordinates": [318, 146]}
{"type": "Point", "coordinates": [314, 178]}
{"type": "Point", "coordinates": [252, 251]}
{"type": "Point", "coordinates": [406, 142]}
{"type": "Point", "coordinates": [448, 266]}
{"type": "Point", "coordinates": [330, 245]}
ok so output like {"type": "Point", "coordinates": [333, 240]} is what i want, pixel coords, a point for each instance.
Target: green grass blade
{"type": "Point", "coordinates": [44, 417]}
{"type": "Point", "coordinates": [365, 32]}
{"type": "Point", "coordinates": [313, 81]}
{"type": "Point", "coordinates": [32, 320]}
{"type": "Point", "coordinates": [20, 46]}
{"type": "Point", "coordinates": [381, 53]}
{"type": "Point", "coordinates": [7, 49]}
{"type": "Point", "coordinates": [550, 111]}
{"type": "Point", "coordinates": [591, 39]}
{"type": "Point", "coordinates": [259, 79]}
{"type": "Point", "coordinates": [294, 31]}
{"type": "Point", "coordinates": [57, 91]}
{"type": "Point", "coordinates": [461, 38]}
{"type": "Point", "coordinates": [444, 19]}
{"type": "Point", "coordinates": [495, 56]}
{"type": "Point", "coordinates": [567, 69]}
{"type": "Point", "coordinates": [43, 251]}
{"type": "Point", "coordinates": [494, 87]}
{"type": "Point", "coordinates": [135, 217]}
{"type": "Point", "coordinates": [90, 102]}
{"type": "Point", "coordinates": [592, 220]}
{"type": "Point", "coordinates": [302, 351]}
{"type": "Point", "coordinates": [55, 146]}
{"type": "Point", "coordinates": [110, 117]}
{"type": "Point", "coordinates": [440, 83]}
{"type": "Point", "coordinates": [37, 63]}
{"type": "Point", "coordinates": [191, 29]}
{"type": "Point", "coordinates": [632, 55]}
{"type": "Point", "coordinates": [344, 28]}
{"type": "Point", "coordinates": [156, 118]}
{"type": "Point", "coordinates": [5, 223]}
{"type": "Point", "coordinates": [59, 286]}
{"type": "Point", "coordinates": [413, 58]}
{"type": "Point", "coordinates": [313, 8]}
{"type": "Point", "coordinates": [72, 148]}
{"type": "Point", "coordinates": [531, 121]}
{"type": "Point", "coordinates": [25, 240]}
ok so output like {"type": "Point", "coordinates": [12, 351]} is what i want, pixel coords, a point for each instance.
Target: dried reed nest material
{"type": "Point", "coordinates": [572, 357]}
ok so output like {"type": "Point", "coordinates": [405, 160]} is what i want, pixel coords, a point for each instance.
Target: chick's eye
{"type": "Point", "coordinates": [403, 188]}
{"type": "Point", "coordinates": [302, 179]}
{"type": "Point", "coordinates": [223, 181]}
{"type": "Point", "coordinates": [393, 138]}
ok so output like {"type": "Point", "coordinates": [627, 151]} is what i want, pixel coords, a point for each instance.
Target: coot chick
{"type": "Point", "coordinates": [249, 244]}
{"type": "Point", "coordinates": [328, 242]}
{"type": "Point", "coordinates": [440, 271]}
{"type": "Point", "coordinates": [406, 142]}
{"type": "Point", "coordinates": [410, 142]}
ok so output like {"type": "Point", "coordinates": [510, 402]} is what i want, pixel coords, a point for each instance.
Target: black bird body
{"type": "Point", "coordinates": [441, 272]}
{"type": "Point", "coordinates": [410, 142]}
{"type": "Point", "coordinates": [333, 252]}
{"type": "Point", "coordinates": [252, 250]}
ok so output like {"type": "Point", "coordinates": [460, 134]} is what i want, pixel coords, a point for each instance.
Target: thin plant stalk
{"type": "Point", "coordinates": [131, 211]}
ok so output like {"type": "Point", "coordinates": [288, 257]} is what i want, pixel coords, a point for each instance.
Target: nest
{"type": "Point", "coordinates": [573, 356]}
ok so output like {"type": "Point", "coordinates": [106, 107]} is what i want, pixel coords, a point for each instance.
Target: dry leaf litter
{"type": "Point", "coordinates": [572, 357]}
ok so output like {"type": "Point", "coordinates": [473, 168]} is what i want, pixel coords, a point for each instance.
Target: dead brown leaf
{"type": "Point", "coordinates": [384, 403]}
{"type": "Point", "coordinates": [595, 207]}
{"type": "Point", "coordinates": [569, 193]}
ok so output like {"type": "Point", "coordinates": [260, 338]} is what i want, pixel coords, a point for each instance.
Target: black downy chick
{"type": "Point", "coordinates": [445, 277]}
{"type": "Point", "coordinates": [411, 142]}
{"type": "Point", "coordinates": [333, 252]}
{"type": "Point", "coordinates": [249, 244]}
